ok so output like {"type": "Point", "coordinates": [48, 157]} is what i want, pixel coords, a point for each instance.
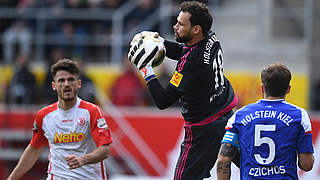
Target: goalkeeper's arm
{"type": "Point", "coordinates": [163, 98]}
{"type": "Point", "coordinates": [174, 50]}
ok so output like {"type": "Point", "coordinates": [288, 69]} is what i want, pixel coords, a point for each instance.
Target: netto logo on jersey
{"type": "Point", "coordinates": [68, 138]}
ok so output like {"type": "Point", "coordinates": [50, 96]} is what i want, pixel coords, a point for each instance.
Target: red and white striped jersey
{"type": "Point", "coordinates": [77, 131]}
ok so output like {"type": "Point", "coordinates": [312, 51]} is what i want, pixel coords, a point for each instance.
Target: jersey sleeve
{"type": "Point", "coordinates": [231, 124]}
{"type": "Point", "coordinates": [99, 128]}
{"type": "Point", "coordinates": [305, 135]}
{"type": "Point", "coordinates": [174, 49]}
{"type": "Point", "coordinates": [232, 134]}
{"type": "Point", "coordinates": [38, 139]}
{"type": "Point", "coordinates": [163, 98]}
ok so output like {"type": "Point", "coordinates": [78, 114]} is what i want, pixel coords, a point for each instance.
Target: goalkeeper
{"type": "Point", "coordinates": [198, 82]}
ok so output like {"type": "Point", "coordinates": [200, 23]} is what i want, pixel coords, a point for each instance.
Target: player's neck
{"type": "Point", "coordinates": [273, 98]}
{"type": "Point", "coordinates": [66, 105]}
{"type": "Point", "coordinates": [194, 40]}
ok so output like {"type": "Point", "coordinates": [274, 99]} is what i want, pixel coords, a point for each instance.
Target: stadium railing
{"type": "Point", "coordinates": [118, 39]}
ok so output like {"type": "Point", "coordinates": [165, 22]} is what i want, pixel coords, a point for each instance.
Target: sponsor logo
{"type": "Point", "coordinates": [144, 70]}
{"type": "Point", "coordinates": [82, 121]}
{"type": "Point", "coordinates": [67, 120]}
{"type": "Point", "coordinates": [176, 79]}
{"type": "Point", "coordinates": [101, 123]}
{"type": "Point", "coordinates": [68, 138]}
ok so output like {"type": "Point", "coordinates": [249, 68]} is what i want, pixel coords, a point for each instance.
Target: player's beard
{"type": "Point", "coordinates": [182, 39]}
{"type": "Point", "coordinates": [70, 98]}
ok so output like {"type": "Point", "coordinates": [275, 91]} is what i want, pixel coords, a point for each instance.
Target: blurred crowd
{"type": "Point", "coordinates": [127, 89]}
{"type": "Point", "coordinates": [17, 49]}
{"type": "Point", "coordinates": [18, 32]}
{"type": "Point", "coordinates": [17, 43]}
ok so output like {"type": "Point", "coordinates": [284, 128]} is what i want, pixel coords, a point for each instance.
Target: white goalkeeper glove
{"type": "Point", "coordinates": [147, 34]}
{"type": "Point", "coordinates": [147, 51]}
{"type": "Point", "coordinates": [138, 55]}
{"type": "Point", "coordinates": [147, 47]}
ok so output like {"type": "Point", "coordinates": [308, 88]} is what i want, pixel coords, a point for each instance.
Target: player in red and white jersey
{"type": "Point", "coordinates": [75, 131]}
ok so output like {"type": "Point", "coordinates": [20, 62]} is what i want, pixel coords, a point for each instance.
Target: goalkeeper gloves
{"type": "Point", "coordinates": [147, 35]}
{"type": "Point", "coordinates": [137, 56]}
{"type": "Point", "coordinates": [147, 50]}
{"type": "Point", "coordinates": [148, 74]}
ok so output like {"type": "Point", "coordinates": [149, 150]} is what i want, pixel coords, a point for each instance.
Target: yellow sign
{"type": "Point", "coordinates": [176, 79]}
{"type": "Point", "coordinates": [248, 90]}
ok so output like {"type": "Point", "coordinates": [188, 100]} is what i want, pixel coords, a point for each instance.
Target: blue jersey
{"type": "Point", "coordinates": [269, 134]}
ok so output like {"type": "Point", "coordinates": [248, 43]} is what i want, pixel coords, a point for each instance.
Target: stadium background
{"type": "Point", "coordinates": [97, 32]}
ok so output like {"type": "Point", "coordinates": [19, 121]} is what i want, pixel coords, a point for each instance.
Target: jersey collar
{"type": "Point", "coordinates": [75, 106]}
{"type": "Point", "coordinates": [269, 100]}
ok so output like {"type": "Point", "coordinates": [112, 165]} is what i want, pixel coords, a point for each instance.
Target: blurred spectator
{"type": "Point", "coordinates": [54, 8]}
{"type": "Point", "coordinates": [87, 91]}
{"type": "Point", "coordinates": [48, 95]}
{"type": "Point", "coordinates": [9, 3]}
{"type": "Point", "coordinates": [100, 29]}
{"type": "Point", "coordinates": [176, 2]}
{"type": "Point", "coordinates": [25, 10]}
{"type": "Point", "coordinates": [76, 4]}
{"type": "Point", "coordinates": [128, 89]}
{"type": "Point", "coordinates": [17, 33]}
{"type": "Point", "coordinates": [71, 33]}
{"type": "Point", "coordinates": [111, 4]}
{"type": "Point", "coordinates": [145, 9]}
{"type": "Point", "coordinates": [6, 21]}
{"type": "Point", "coordinates": [55, 55]}
{"type": "Point", "coordinates": [94, 3]}
{"type": "Point", "coordinates": [22, 88]}
{"type": "Point", "coordinates": [71, 39]}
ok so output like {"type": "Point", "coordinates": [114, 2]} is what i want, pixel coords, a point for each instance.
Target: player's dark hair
{"type": "Point", "coordinates": [200, 15]}
{"type": "Point", "coordinates": [276, 79]}
{"type": "Point", "coordinates": [65, 65]}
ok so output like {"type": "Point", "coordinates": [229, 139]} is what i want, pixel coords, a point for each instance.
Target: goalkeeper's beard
{"type": "Point", "coordinates": [182, 39]}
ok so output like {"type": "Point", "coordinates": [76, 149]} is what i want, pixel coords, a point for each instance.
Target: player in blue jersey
{"type": "Point", "coordinates": [271, 133]}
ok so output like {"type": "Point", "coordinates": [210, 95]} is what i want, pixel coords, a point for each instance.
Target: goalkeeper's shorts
{"type": "Point", "coordinates": [200, 148]}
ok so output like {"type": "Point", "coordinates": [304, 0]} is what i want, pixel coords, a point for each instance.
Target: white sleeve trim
{"type": "Point", "coordinates": [305, 120]}
{"type": "Point", "coordinates": [231, 121]}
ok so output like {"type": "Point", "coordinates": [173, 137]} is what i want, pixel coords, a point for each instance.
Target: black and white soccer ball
{"type": "Point", "coordinates": [147, 50]}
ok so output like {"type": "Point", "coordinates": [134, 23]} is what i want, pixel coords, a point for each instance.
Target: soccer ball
{"type": "Point", "coordinates": [147, 50]}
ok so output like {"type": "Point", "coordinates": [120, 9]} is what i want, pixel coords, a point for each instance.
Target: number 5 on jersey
{"type": "Point", "coordinates": [258, 141]}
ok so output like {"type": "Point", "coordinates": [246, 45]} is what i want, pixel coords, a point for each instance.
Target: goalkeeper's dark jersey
{"type": "Point", "coordinates": [203, 90]}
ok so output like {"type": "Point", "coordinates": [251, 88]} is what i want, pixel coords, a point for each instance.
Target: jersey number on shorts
{"type": "Point", "coordinates": [258, 141]}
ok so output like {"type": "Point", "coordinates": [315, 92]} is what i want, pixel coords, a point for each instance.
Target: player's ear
{"type": "Point", "coordinates": [288, 90]}
{"type": "Point", "coordinates": [196, 29]}
{"type": "Point", "coordinates": [262, 90]}
{"type": "Point", "coordinates": [79, 83]}
{"type": "Point", "coordinates": [53, 85]}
